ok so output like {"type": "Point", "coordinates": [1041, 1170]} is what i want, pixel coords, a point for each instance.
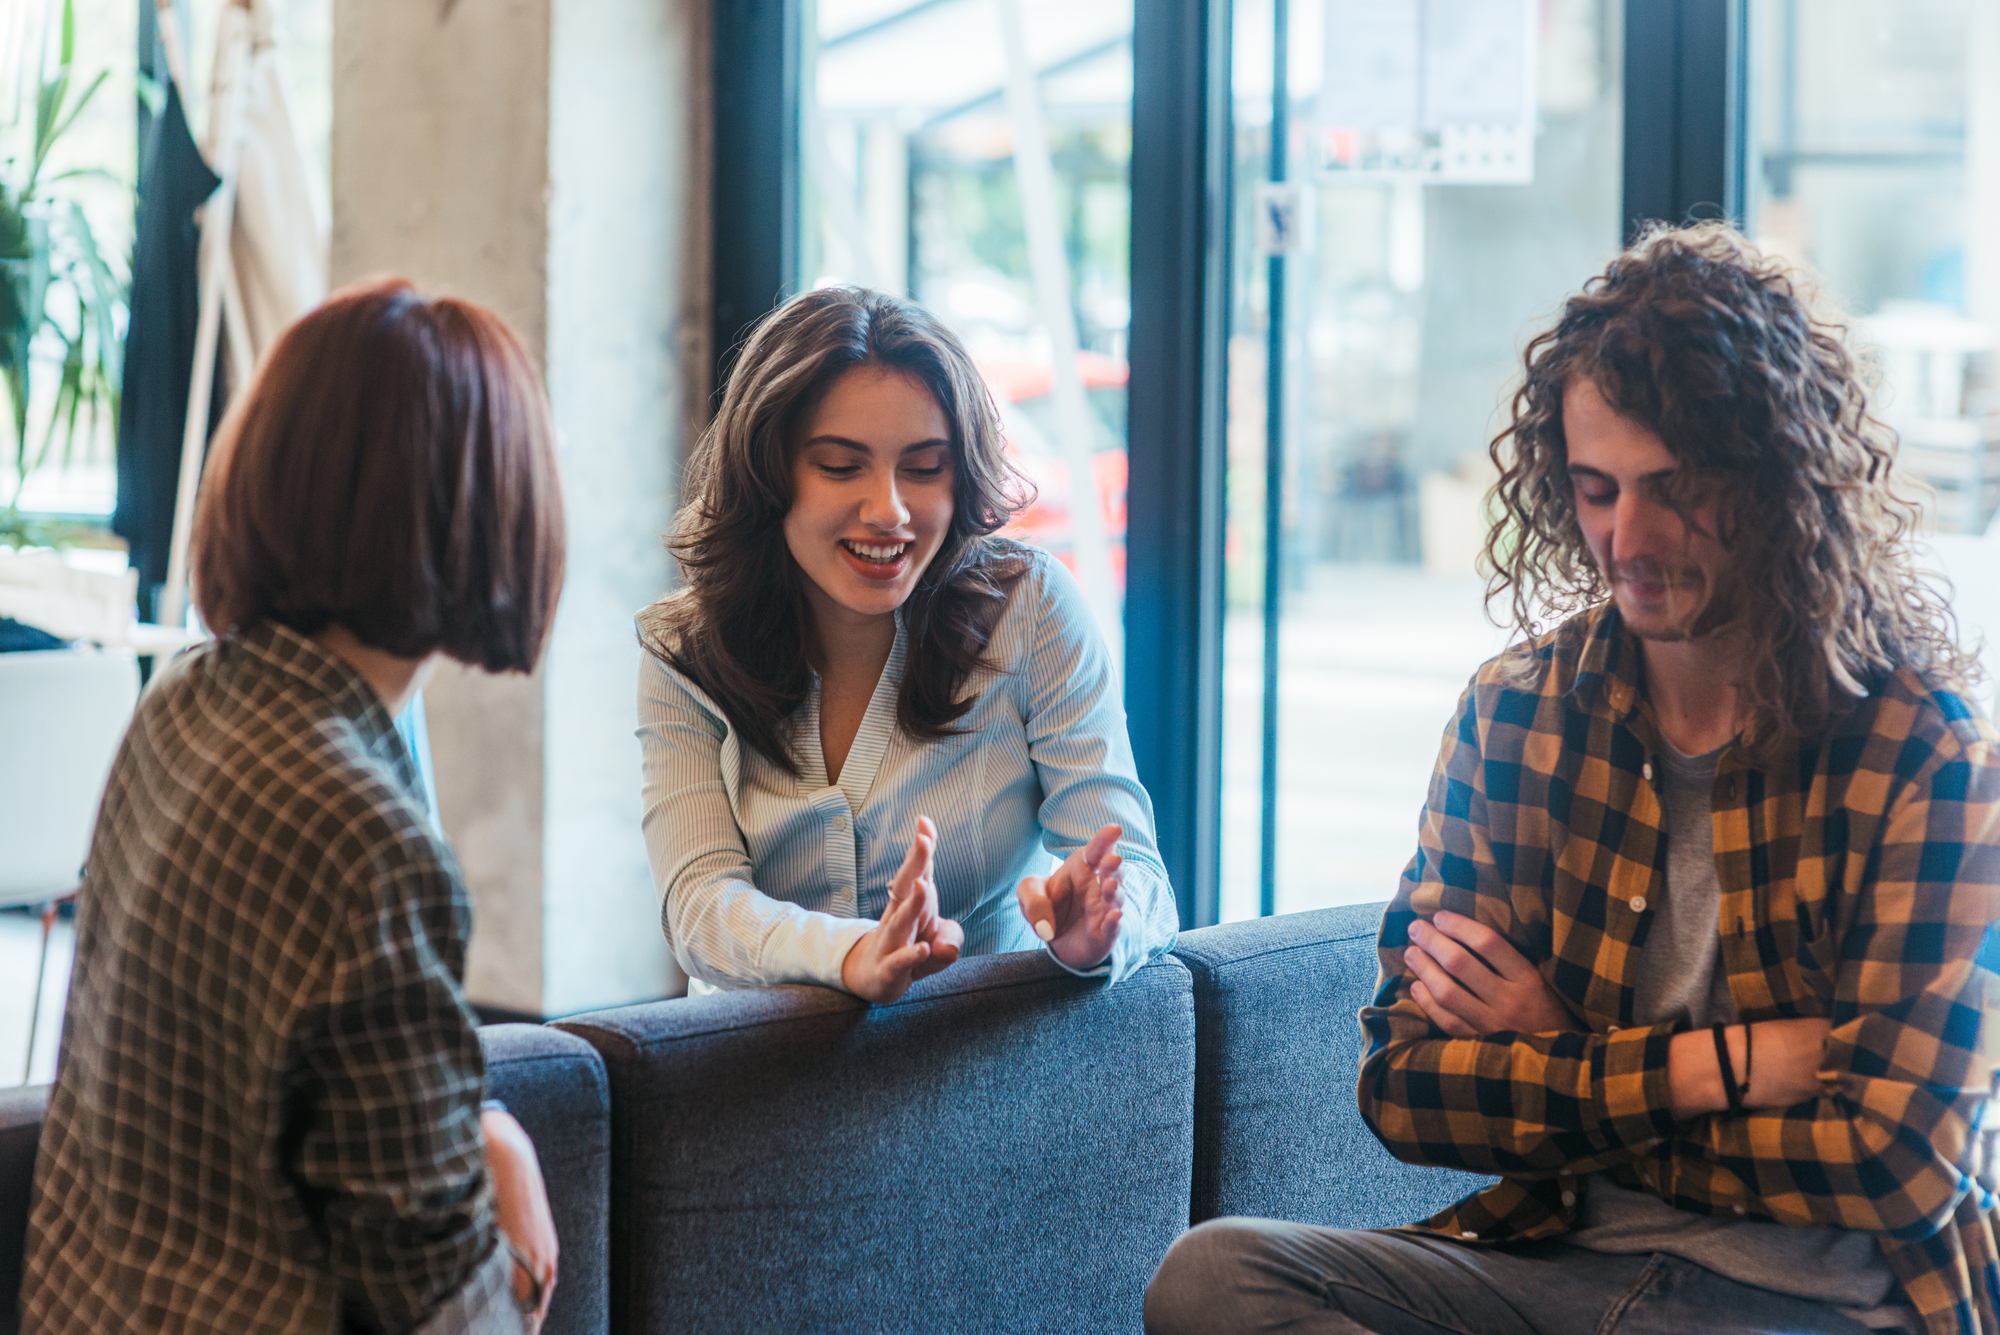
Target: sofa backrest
{"type": "Point", "coordinates": [1006, 1148]}
{"type": "Point", "coordinates": [555, 1084]}
{"type": "Point", "coordinates": [1278, 1132]}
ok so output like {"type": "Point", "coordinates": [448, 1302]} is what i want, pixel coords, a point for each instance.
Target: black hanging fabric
{"type": "Point", "coordinates": [159, 345]}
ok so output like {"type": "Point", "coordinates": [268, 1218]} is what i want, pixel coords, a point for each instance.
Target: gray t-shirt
{"type": "Point", "coordinates": [1681, 977]}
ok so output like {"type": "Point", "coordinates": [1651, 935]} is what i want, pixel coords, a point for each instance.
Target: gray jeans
{"type": "Point", "coordinates": [1243, 1275]}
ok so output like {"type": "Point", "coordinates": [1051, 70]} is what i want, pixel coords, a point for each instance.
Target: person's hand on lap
{"type": "Point", "coordinates": [912, 940]}
{"type": "Point", "coordinates": [1076, 909]}
{"type": "Point", "coordinates": [521, 1208]}
{"type": "Point", "coordinates": [1471, 981]}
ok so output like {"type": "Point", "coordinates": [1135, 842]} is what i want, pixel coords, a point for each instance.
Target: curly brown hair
{"type": "Point", "coordinates": [740, 628]}
{"type": "Point", "coordinates": [1737, 365]}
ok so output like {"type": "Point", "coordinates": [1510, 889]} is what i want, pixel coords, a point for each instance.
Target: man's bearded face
{"type": "Point", "coordinates": [1661, 569]}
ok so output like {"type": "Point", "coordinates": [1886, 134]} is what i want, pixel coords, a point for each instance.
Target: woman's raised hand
{"type": "Point", "coordinates": [911, 941]}
{"type": "Point", "coordinates": [1076, 908]}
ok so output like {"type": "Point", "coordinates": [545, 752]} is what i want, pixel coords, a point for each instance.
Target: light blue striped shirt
{"type": "Point", "coordinates": [764, 878]}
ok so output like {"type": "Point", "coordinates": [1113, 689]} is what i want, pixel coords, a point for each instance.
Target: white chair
{"type": "Point", "coordinates": [62, 715]}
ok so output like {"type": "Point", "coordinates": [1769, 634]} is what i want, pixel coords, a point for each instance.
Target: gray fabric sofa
{"type": "Point", "coordinates": [1277, 1055]}
{"type": "Point", "coordinates": [1008, 1148]}
{"type": "Point", "coordinates": [552, 1081]}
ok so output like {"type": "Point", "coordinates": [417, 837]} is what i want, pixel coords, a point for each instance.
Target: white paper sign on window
{"type": "Point", "coordinates": [1440, 90]}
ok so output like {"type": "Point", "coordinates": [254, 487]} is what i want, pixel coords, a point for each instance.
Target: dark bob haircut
{"type": "Point", "coordinates": [392, 469]}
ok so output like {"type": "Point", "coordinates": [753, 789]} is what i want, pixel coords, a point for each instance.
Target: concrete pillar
{"type": "Point", "coordinates": [547, 158]}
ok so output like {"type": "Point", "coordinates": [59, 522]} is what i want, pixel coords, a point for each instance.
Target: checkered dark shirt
{"type": "Point", "coordinates": [267, 1111]}
{"type": "Point", "coordinates": [1860, 883]}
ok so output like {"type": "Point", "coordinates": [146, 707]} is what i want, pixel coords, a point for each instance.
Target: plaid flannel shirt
{"type": "Point", "coordinates": [266, 1114]}
{"type": "Point", "coordinates": [1860, 883]}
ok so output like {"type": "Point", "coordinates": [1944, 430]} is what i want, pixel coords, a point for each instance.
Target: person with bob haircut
{"type": "Point", "coordinates": [867, 720]}
{"type": "Point", "coordinates": [267, 1114]}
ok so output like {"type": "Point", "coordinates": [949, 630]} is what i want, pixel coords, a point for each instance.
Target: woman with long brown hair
{"type": "Point", "coordinates": [867, 720]}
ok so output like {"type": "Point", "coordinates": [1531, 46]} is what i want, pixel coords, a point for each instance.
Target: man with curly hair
{"type": "Point", "coordinates": [1697, 952]}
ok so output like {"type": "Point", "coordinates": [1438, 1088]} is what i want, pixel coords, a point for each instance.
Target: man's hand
{"type": "Point", "coordinates": [911, 941]}
{"type": "Point", "coordinates": [1783, 1059]}
{"type": "Point", "coordinates": [1076, 909]}
{"type": "Point", "coordinates": [1471, 981]}
{"type": "Point", "coordinates": [521, 1207]}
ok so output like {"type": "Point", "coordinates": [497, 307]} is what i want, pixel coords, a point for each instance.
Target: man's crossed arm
{"type": "Point", "coordinates": [1472, 983]}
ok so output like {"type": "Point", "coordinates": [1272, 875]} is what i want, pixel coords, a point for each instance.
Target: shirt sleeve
{"type": "Point", "coordinates": [1522, 1105]}
{"type": "Point", "coordinates": [721, 927]}
{"type": "Point", "coordinates": [1083, 758]}
{"type": "Point", "coordinates": [389, 1152]}
{"type": "Point", "coordinates": [1893, 1143]}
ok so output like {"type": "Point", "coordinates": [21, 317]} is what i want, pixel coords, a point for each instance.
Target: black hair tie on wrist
{"type": "Point", "coordinates": [1734, 1091]}
{"type": "Point", "coordinates": [1747, 1027]}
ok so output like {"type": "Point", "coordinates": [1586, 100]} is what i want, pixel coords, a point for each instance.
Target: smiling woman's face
{"type": "Point", "coordinates": [871, 495]}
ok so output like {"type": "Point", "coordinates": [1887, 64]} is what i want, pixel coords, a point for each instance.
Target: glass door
{"type": "Point", "coordinates": [1418, 185]}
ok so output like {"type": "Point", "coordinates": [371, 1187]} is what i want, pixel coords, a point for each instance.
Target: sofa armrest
{"type": "Point", "coordinates": [554, 1083]}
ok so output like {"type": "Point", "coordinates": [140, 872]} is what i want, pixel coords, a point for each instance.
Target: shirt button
{"type": "Point", "coordinates": [1647, 770]}
{"type": "Point", "coordinates": [1611, 1028]}
{"type": "Point", "coordinates": [1638, 903]}
{"type": "Point", "coordinates": [846, 889]}
{"type": "Point", "coordinates": [840, 822]}
{"type": "Point", "coordinates": [1569, 1198]}
{"type": "Point", "coordinates": [1739, 1209]}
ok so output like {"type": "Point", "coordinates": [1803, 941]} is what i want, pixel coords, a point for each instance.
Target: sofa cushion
{"type": "Point", "coordinates": [1006, 1149]}
{"type": "Point", "coordinates": [1278, 1130]}
{"type": "Point", "coordinates": [21, 1111]}
{"type": "Point", "coordinates": [555, 1084]}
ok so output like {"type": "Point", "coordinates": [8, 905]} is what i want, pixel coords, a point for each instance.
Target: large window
{"type": "Point", "coordinates": [97, 158]}
{"type": "Point", "coordinates": [1340, 221]}
{"type": "Point", "coordinates": [1878, 164]}
{"type": "Point", "coordinates": [975, 155]}
{"type": "Point", "coordinates": [1447, 175]}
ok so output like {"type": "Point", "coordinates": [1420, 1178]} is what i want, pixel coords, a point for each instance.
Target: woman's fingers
{"type": "Point", "coordinates": [1101, 844]}
{"type": "Point", "coordinates": [1037, 907]}
{"type": "Point", "coordinates": [945, 944]}
{"type": "Point", "coordinates": [917, 862]}
{"type": "Point", "coordinates": [899, 925]}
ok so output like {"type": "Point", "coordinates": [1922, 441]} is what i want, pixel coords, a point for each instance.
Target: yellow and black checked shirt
{"type": "Point", "coordinates": [1860, 883]}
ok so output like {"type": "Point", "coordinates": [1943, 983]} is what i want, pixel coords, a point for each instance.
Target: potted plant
{"type": "Point", "coordinates": [62, 305]}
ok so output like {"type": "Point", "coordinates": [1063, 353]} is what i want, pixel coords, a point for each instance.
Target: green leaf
{"type": "Point", "coordinates": [48, 142]}
{"type": "Point", "coordinates": [88, 174]}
